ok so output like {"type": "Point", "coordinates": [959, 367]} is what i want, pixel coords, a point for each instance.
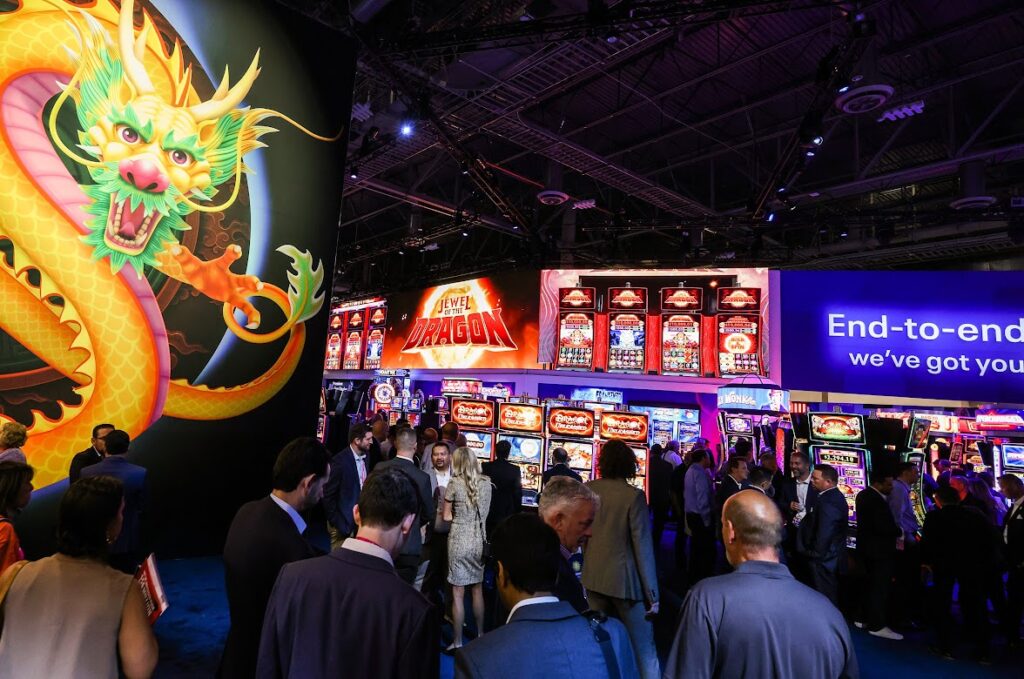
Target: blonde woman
{"type": "Point", "coordinates": [12, 438]}
{"type": "Point", "coordinates": [466, 502]}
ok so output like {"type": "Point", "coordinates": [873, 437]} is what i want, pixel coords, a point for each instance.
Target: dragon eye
{"type": "Point", "coordinates": [128, 134]}
{"type": "Point", "coordinates": [179, 157]}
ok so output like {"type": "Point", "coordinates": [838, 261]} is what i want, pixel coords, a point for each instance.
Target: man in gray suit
{"type": "Point", "coordinates": [434, 584]}
{"type": "Point", "coordinates": [544, 637]}
{"type": "Point", "coordinates": [408, 561]}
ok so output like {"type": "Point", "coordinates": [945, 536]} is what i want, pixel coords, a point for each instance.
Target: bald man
{"type": "Point", "coordinates": [771, 625]}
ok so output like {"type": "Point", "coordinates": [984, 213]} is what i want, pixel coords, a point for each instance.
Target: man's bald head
{"type": "Point", "coordinates": [752, 526]}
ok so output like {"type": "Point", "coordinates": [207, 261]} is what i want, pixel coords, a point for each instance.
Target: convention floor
{"type": "Point", "coordinates": [192, 633]}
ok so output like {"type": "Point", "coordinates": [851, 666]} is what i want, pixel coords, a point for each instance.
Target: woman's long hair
{"type": "Point", "coordinates": [13, 475]}
{"type": "Point", "coordinates": [467, 467]}
{"type": "Point", "coordinates": [977, 487]}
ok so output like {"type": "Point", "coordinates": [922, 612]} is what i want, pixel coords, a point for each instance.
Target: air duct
{"type": "Point", "coordinates": [552, 193]}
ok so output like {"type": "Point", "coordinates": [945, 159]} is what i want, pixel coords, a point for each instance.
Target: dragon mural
{"type": "Point", "coordinates": [72, 284]}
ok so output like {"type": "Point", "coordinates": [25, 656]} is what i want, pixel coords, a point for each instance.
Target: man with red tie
{"type": "Point", "coordinates": [349, 469]}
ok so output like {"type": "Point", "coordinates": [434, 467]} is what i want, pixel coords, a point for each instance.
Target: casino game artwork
{"type": "Point", "coordinates": [479, 323]}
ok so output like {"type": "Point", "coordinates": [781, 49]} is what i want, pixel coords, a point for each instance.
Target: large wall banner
{"type": "Point", "coordinates": [479, 323]}
{"type": "Point", "coordinates": [159, 270]}
{"type": "Point", "coordinates": [921, 334]}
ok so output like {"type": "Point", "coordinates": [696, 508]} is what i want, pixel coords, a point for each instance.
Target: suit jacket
{"type": "Point", "coordinates": [877, 530]}
{"type": "Point", "coordinates": [341, 492]}
{"type": "Point", "coordinates": [957, 541]}
{"type": "Point", "coordinates": [1014, 542]}
{"type": "Point", "coordinates": [507, 498]}
{"type": "Point", "coordinates": [559, 470]}
{"type": "Point", "coordinates": [261, 540]}
{"type": "Point", "coordinates": [134, 479]}
{"type": "Point", "coordinates": [619, 557]}
{"type": "Point", "coordinates": [545, 640]}
{"type": "Point", "coordinates": [659, 479]}
{"type": "Point", "coordinates": [80, 461]}
{"type": "Point", "coordinates": [347, 614]}
{"type": "Point", "coordinates": [726, 490]}
{"type": "Point", "coordinates": [787, 494]}
{"type": "Point", "coordinates": [822, 533]}
{"type": "Point", "coordinates": [414, 544]}
{"type": "Point", "coordinates": [568, 587]}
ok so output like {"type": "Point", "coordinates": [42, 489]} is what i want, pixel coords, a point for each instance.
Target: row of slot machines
{"type": "Point", "coordinates": [681, 327]}
{"type": "Point", "coordinates": [355, 338]}
{"type": "Point", "coordinates": [534, 430]}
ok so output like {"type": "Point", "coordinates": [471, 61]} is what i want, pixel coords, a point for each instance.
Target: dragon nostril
{"type": "Point", "coordinates": [131, 178]}
{"type": "Point", "coordinates": [151, 187]}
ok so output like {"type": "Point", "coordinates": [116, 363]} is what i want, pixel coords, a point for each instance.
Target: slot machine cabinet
{"type": "Point", "coordinates": [522, 425]}
{"type": "Point", "coordinates": [838, 439]}
{"type": "Point", "coordinates": [627, 330]}
{"type": "Point", "coordinates": [632, 429]}
{"type": "Point", "coordinates": [738, 324]}
{"type": "Point", "coordinates": [572, 429]}
{"type": "Point", "coordinates": [576, 329]}
{"type": "Point", "coordinates": [475, 418]}
{"type": "Point", "coordinates": [681, 338]}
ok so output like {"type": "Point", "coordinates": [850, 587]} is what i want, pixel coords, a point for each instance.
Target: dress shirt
{"type": "Point", "coordinates": [361, 470]}
{"type": "Point", "coordinates": [529, 602]}
{"type": "Point", "coordinates": [672, 457]}
{"type": "Point", "coordinates": [697, 492]}
{"type": "Point", "coordinates": [443, 478]}
{"type": "Point", "coordinates": [902, 510]}
{"type": "Point", "coordinates": [300, 524]}
{"type": "Point", "coordinates": [1016, 507]}
{"type": "Point", "coordinates": [801, 495]}
{"type": "Point", "coordinates": [368, 548]}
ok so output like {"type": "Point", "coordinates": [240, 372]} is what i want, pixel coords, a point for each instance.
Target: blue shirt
{"type": "Point", "coordinates": [300, 524]}
{"type": "Point", "coordinates": [902, 510]}
{"type": "Point", "coordinates": [697, 492]}
{"type": "Point", "coordinates": [758, 621]}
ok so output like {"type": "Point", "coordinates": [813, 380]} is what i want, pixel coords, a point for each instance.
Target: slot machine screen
{"type": "Point", "coordinates": [837, 428]}
{"type": "Point", "coordinates": [353, 351]}
{"type": "Point", "coordinates": [739, 340]}
{"type": "Point", "coordinates": [680, 344]}
{"type": "Point", "coordinates": [1013, 455]}
{"type": "Point", "coordinates": [581, 453]}
{"type": "Point", "coordinates": [525, 449]}
{"type": "Point", "coordinates": [735, 424]}
{"type": "Point", "coordinates": [532, 477]}
{"type": "Point", "coordinates": [575, 341]}
{"type": "Point", "coordinates": [374, 348]}
{"type": "Point", "coordinates": [480, 442]}
{"type": "Point", "coordinates": [917, 437]}
{"type": "Point", "coordinates": [626, 342]}
{"type": "Point", "coordinates": [733, 438]}
{"type": "Point", "coordinates": [849, 463]}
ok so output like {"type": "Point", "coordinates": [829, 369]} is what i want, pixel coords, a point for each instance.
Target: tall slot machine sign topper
{"type": "Point", "coordinates": [680, 331]}
{"type": "Point", "coordinates": [576, 328]}
{"type": "Point", "coordinates": [739, 331]}
{"type": "Point", "coordinates": [627, 330]}
{"type": "Point", "coordinates": [353, 356]}
{"type": "Point", "coordinates": [377, 318]}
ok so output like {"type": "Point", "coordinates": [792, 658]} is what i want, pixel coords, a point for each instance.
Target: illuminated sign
{"type": "Point", "coordinates": [571, 422]}
{"type": "Point", "coordinates": [627, 334]}
{"type": "Point", "coordinates": [520, 417]}
{"type": "Point", "coordinates": [459, 385]}
{"type": "Point", "coordinates": [472, 413]}
{"type": "Point", "coordinates": [680, 344]}
{"type": "Point", "coordinates": [738, 425]}
{"type": "Point", "coordinates": [738, 345]}
{"type": "Point", "coordinates": [580, 299]}
{"type": "Point", "coordinates": [753, 398]}
{"type": "Point", "coordinates": [575, 341]}
{"type": "Point", "coordinates": [918, 334]}
{"type": "Point", "coordinates": [1000, 420]}
{"type": "Point", "coordinates": [383, 393]}
{"type": "Point", "coordinates": [623, 426]}
{"type": "Point", "coordinates": [739, 299]}
{"type": "Point", "coordinates": [353, 356]}
{"type": "Point", "coordinates": [682, 299]}
{"type": "Point", "coordinates": [332, 361]}
{"type": "Point", "coordinates": [941, 424]}
{"type": "Point", "coordinates": [627, 299]}
{"type": "Point", "coordinates": [497, 391]}
{"type": "Point", "coordinates": [604, 396]}
{"type": "Point", "coordinates": [836, 427]}
{"type": "Point", "coordinates": [356, 319]}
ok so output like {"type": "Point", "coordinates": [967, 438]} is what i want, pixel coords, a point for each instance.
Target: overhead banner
{"type": "Point", "coordinates": [920, 334]}
{"type": "Point", "coordinates": [479, 323]}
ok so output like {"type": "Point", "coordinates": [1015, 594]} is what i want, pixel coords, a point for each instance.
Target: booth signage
{"type": "Point", "coordinates": [624, 426]}
{"type": "Point", "coordinates": [470, 413]}
{"type": "Point", "coordinates": [571, 422]}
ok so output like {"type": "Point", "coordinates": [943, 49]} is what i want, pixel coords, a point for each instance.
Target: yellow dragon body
{"type": "Point", "coordinates": [71, 287]}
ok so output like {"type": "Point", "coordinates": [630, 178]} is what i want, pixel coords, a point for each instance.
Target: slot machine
{"type": "Point", "coordinates": [627, 330]}
{"type": "Point", "coordinates": [737, 428]}
{"type": "Point", "coordinates": [352, 359]}
{"type": "Point", "coordinates": [576, 308]}
{"type": "Point", "coordinates": [631, 428]}
{"type": "Point", "coordinates": [1011, 458]}
{"type": "Point", "coordinates": [414, 410]}
{"type": "Point", "coordinates": [738, 323]}
{"type": "Point", "coordinates": [681, 331]}
{"type": "Point", "coordinates": [572, 429]}
{"type": "Point", "coordinates": [475, 418]}
{"type": "Point", "coordinates": [920, 460]}
{"type": "Point", "coordinates": [522, 425]}
{"type": "Point", "coordinates": [321, 420]}
{"type": "Point", "coordinates": [917, 439]}
{"type": "Point", "coordinates": [838, 439]}
{"type": "Point", "coordinates": [335, 340]}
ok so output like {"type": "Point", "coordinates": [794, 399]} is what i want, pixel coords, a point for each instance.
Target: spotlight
{"type": "Point", "coordinates": [354, 174]}
{"type": "Point", "coordinates": [810, 154]}
{"type": "Point", "coordinates": [844, 233]}
{"type": "Point", "coordinates": [818, 141]}
{"type": "Point", "coordinates": [401, 252]}
{"type": "Point", "coordinates": [406, 129]}
{"type": "Point", "coordinates": [771, 217]}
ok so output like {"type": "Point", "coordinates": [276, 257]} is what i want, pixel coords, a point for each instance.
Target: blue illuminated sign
{"type": "Point", "coordinates": [752, 398]}
{"type": "Point", "coordinates": [920, 334]}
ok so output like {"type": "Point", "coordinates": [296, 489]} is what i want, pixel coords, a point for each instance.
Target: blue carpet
{"type": "Point", "coordinates": [192, 633]}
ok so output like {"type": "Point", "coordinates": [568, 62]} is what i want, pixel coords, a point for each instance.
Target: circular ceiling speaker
{"type": "Point", "coordinates": [864, 98]}
{"type": "Point", "coordinates": [973, 202]}
{"type": "Point", "coordinates": [552, 197]}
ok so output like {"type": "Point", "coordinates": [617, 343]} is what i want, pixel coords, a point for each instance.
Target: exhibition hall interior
{"type": "Point", "coordinates": [511, 338]}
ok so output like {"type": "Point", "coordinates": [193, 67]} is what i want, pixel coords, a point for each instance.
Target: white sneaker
{"type": "Point", "coordinates": [887, 633]}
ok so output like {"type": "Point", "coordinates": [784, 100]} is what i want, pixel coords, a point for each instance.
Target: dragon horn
{"type": "Point", "coordinates": [133, 68]}
{"type": "Point", "coordinates": [215, 108]}
{"type": "Point", "coordinates": [222, 89]}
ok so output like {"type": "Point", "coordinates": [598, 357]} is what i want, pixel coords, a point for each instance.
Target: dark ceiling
{"type": "Point", "coordinates": [687, 130]}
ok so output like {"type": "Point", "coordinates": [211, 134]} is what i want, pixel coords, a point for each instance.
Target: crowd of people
{"type": "Point", "coordinates": [418, 528]}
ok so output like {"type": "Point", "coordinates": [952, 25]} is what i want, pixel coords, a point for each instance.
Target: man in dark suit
{"type": "Point", "coordinates": [92, 454]}
{"type": "Point", "coordinates": [349, 469]}
{"type": "Point", "coordinates": [956, 544]}
{"type": "Point", "coordinates": [770, 463]}
{"type": "Point", "coordinates": [435, 579]}
{"type": "Point", "coordinates": [507, 498]}
{"type": "Point", "coordinates": [758, 621]}
{"type": "Point", "coordinates": [543, 637]}
{"type": "Point", "coordinates": [560, 457]}
{"type": "Point", "coordinates": [408, 561]}
{"type": "Point", "coordinates": [347, 614]}
{"type": "Point", "coordinates": [569, 508]}
{"type": "Point", "coordinates": [736, 473]}
{"type": "Point", "coordinates": [822, 534]}
{"type": "Point", "coordinates": [659, 490]}
{"type": "Point", "coordinates": [1013, 549]}
{"type": "Point", "coordinates": [795, 498]}
{"type": "Point", "coordinates": [264, 536]}
{"type": "Point", "coordinates": [877, 533]}
{"type": "Point", "coordinates": [128, 550]}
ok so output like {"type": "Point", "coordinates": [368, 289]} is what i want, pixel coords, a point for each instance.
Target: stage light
{"type": "Point", "coordinates": [406, 129]}
{"type": "Point", "coordinates": [354, 174]}
{"type": "Point", "coordinates": [810, 154]}
{"type": "Point", "coordinates": [843, 233]}
{"type": "Point", "coordinates": [771, 217]}
{"type": "Point", "coordinates": [818, 141]}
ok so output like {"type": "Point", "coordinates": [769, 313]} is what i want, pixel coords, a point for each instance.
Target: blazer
{"type": "Point", "coordinates": [341, 492]}
{"type": "Point", "coordinates": [1014, 540]}
{"type": "Point", "coordinates": [261, 540]}
{"type": "Point", "coordinates": [726, 490]}
{"type": "Point", "coordinates": [787, 494]}
{"type": "Point", "coordinates": [568, 587]}
{"type": "Point", "coordinates": [507, 498]}
{"type": "Point", "coordinates": [414, 544]}
{"type": "Point", "coordinates": [956, 541]}
{"type": "Point", "coordinates": [659, 479]}
{"type": "Point", "coordinates": [559, 470]}
{"type": "Point", "coordinates": [618, 560]}
{"type": "Point", "coordinates": [877, 530]}
{"type": "Point", "coordinates": [81, 460]}
{"type": "Point", "coordinates": [133, 477]}
{"type": "Point", "coordinates": [822, 533]}
{"type": "Point", "coordinates": [545, 640]}
{"type": "Point", "coordinates": [348, 614]}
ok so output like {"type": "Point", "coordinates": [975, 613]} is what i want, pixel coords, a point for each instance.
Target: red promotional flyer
{"type": "Point", "coordinates": [153, 594]}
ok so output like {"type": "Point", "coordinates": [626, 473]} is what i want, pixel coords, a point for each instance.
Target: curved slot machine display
{"type": "Point", "coordinates": [627, 330]}
{"type": "Point", "coordinates": [475, 418]}
{"type": "Point", "coordinates": [522, 425]}
{"type": "Point", "coordinates": [631, 428]}
{"type": "Point", "coordinates": [572, 429]}
{"type": "Point", "coordinates": [576, 329]}
{"type": "Point", "coordinates": [838, 439]}
{"type": "Point", "coordinates": [681, 340]}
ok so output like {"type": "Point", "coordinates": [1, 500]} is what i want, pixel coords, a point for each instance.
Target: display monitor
{"type": "Point", "coordinates": [850, 464]}
{"type": "Point", "coordinates": [480, 442]}
{"type": "Point", "coordinates": [525, 449]}
{"type": "Point", "coordinates": [837, 428]}
{"type": "Point", "coordinates": [917, 435]}
{"type": "Point", "coordinates": [581, 453]}
{"type": "Point", "coordinates": [1013, 456]}
{"type": "Point", "coordinates": [522, 417]}
{"type": "Point", "coordinates": [736, 424]}
{"type": "Point", "coordinates": [733, 439]}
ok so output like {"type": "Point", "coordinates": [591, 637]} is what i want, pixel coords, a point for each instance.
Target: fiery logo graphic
{"type": "Point", "coordinates": [516, 417]}
{"type": "Point", "coordinates": [628, 298]}
{"type": "Point", "coordinates": [624, 426]}
{"type": "Point", "coordinates": [739, 299]}
{"type": "Point", "coordinates": [473, 413]}
{"type": "Point", "coordinates": [577, 298]}
{"type": "Point", "coordinates": [680, 298]}
{"type": "Point", "coordinates": [571, 422]}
